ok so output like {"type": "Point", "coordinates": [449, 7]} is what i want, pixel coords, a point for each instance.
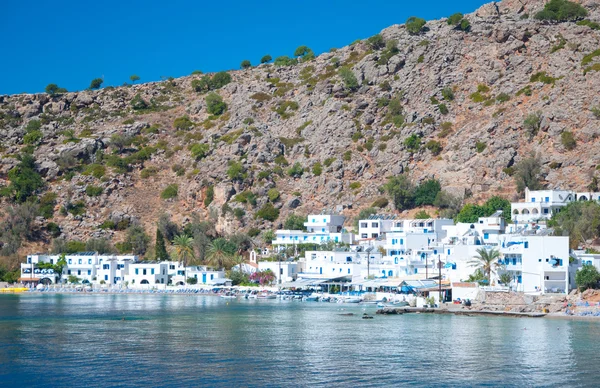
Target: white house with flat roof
{"type": "Point", "coordinates": [485, 231]}
{"type": "Point", "coordinates": [112, 269]}
{"type": "Point", "coordinates": [542, 204]}
{"type": "Point", "coordinates": [147, 273]}
{"type": "Point", "coordinates": [287, 271]}
{"type": "Point", "coordinates": [82, 265]}
{"type": "Point", "coordinates": [377, 226]}
{"type": "Point", "coordinates": [320, 229]}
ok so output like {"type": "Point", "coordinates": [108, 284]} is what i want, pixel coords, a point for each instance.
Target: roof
{"type": "Point", "coordinates": [464, 285]}
{"type": "Point", "coordinates": [29, 279]}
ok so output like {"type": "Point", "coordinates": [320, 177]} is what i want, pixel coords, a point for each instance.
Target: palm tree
{"type": "Point", "coordinates": [183, 248]}
{"type": "Point", "coordinates": [219, 253]}
{"type": "Point", "coordinates": [238, 260]}
{"type": "Point", "coordinates": [487, 261]}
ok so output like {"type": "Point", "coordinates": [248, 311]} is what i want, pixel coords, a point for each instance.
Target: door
{"type": "Point", "coordinates": [203, 278]}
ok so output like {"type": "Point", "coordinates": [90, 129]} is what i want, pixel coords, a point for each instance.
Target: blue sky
{"type": "Point", "coordinates": [70, 42]}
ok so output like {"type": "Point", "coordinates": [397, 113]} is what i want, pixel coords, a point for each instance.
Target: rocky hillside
{"type": "Point", "coordinates": [443, 103]}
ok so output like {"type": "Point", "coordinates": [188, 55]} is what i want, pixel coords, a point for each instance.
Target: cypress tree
{"type": "Point", "coordinates": [160, 249]}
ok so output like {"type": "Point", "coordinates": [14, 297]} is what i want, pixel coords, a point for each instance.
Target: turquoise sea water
{"type": "Point", "coordinates": [176, 340]}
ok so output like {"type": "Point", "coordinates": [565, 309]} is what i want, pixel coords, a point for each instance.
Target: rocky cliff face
{"type": "Point", "coordinates": [279, 116]}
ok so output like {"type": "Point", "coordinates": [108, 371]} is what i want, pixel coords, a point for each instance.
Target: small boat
{"type": "Point", "coordinates": [228, 295]}
{"type": "Point", "coordinates": [265, 295]}
{"type": "Point", "coordinates": [252, 295]}
{"type": "Point", "coordinates": [352, 300]}
{"type": "Point", "coordinates": [311, 298]}
{"type": "Point", "coordinates": [367, 316]}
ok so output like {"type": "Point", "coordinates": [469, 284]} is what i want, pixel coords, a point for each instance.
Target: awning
{"type": "Point", "coordinates": [304, 282]}
{"type": "Point", "coordinates": [29, 279]}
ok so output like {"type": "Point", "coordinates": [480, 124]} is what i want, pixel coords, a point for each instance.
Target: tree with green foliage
{"type": "Point", "coordinates": [400, 188]}
{"type": "Point", "coordinates": [220, 79]}
{"type": "Point", "coordinates": [137, 240]}
{"type": "Point", "coordinates": [96, 83]}
{"type": "Point", "coordinates": [528, 174]}
{"type": "Point", "coordinates": [296, 170]}
{"type": "Point", "coordinates": [266, 59]}
{"type": "Point", "coordinates": [138, 103]}
{"type": "Point", "coordinates": [160, 249]}
{"type": "Point", "coordinates": [470, 213]}
{"type": "Point", "coordinates": [561, 11]}
{"type": "Point", "coordinates": [304, 53]}
{"type": "Point", "coordinates": [422, 215]}
{"type": "Point", "coordinates": [215, 104]}
{"type": "Point", "coordinates": [133, 78]}
{"type": "Point", "coordinates": [579, 220]}
{"type": "Point", "coordinates": [245, 64]}
{"type": "Point", "coordinates": [268, 236]}
{"type": "Point", "coordinates": [183, 249]}
{"type": "Point", "coordinates": [454, 19]}
{"type": "Point", "coordinates": [487, 261]}
{"type": "Point", "coordinates": [505, 278]}
{"type": "Point", "coordinates": [268, 212]}
{"type": "Point", "coordinates": [587, 277]}
{"type": "Point", "coordinates": [414, 25]}
{"type": "Point", "coordinates": [220, 253]}
{"type": "Point", "coordinates": [24, 180]}
{"type": "Point", "coordinates": [426, 192]}
{"type": "Point", "coordinates": [294, 222]}
{"type": "Point", "coordinates": [54, 89]}
{"type": "Point", "coordinates": [273, 194]}
{"type": "Point", "coordinates": [199, 151]}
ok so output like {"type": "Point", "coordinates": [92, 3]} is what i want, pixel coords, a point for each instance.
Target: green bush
{"type": "Point", "coordinates": [209, 195]}
{"type": "Point", "coordinates": [434, 146]}
{"type": "Point", "coordinates": [24, 180]}
{"type": "Point", "coordinates": [413, 142]}
{"type": "Point", "coordinates": [215, 104]}
{"type": "Point", "coordinates": [355, 185]}
{"type": "Point", "coordinates": [93, 191]}
{"type": "Point", "coordinates": [561, 11]}
{"type": "Point", "coordinates": [414, 25]}
{"type": "Point", "coordinates": [294, 222]}
{"type": "Point", "coordinates": [502, 97]}
{"type": "Point", "coordinates": [526, 91]}
{"type": "Point", "coordinates": [75, 208]}
{"type": "Point", "coordinates": [183, 123]}
{"type": "Point", "coordinates": [284, 108]}
{"type": "Point", "coordinates": [443, 109]}
{"type": "Point", "coordinates": [348, 77]}
{"type": "Point", "coordinates": [296, 170]}
{"type": "Point", "coordinates": [138, 103]}
{"type": "Point", "coordinates": [454, 19]}
{"type": "Point", "coordinates": [376, 42]}
{"type": "Point", "coordinates": [199, 151]}
{"type": "Point", "coordinates": [266, 59]}
{"type": "Point", "coordinates": [422, 215]}
{"type": "Point", "coordinates": [425, 193]}
{"type": "Point", "coordinates": [589, 23]}
{"type": "Point", "coordinates": [47, 204]}
{"type": "Point", "coordinates": [568, 140]}
{"type": "Point", "coordinates": [447, 94]}
{"type": "Point", "coordinates": [284, 60]}
{"type": "Point", "coordinates": [532, 123]}
{"type": "Point", "coordinates": [380, 202]}
{"type": "Point", "coordinates": [268, 212]}
{"type": "Point", "coordinates": [273, 194]}
{"type": "Point", "coordinates": [246, 197]}
{"type": "Point", "coordinates": [543, 77]}
{"type": "Point", "coordinates": [328, 162]}
{"type": "Point", "coordinates": [317, 169]}
{"type": "Point", "coordinates": [347, 156]}
{"type": "Point", "coordinates": [245, 64]}
{"type": "Point", "coordinates": [400, 189]}
{"type": "Point", "coordinates": [480, 146]}
{"type": "Point", "coordinates": [236, 171]}
{"type": "Point", "coordinates": [170, 191]}
{"type": "Point", "coordinates": [32, 137]}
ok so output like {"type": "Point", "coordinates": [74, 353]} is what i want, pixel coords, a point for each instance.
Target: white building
{"type": "Point", "coordinates": [285, 271]}
{"type": "Point", "coordinates": [112, 269]}
{"type": "Point", "coordinates": [205, 275]}
{"type": "Point", "coordinates": [147, 273]}
{"type": "Point", "coordinates": [83, 265]}
{"type": "Point", "coordinates": [377, 225]}
{"type": "Point", "coordinates": [542, 204]}
{"type": "Point", "coordinates": [320, 229]}
{"type": "Point", "coordinates": [485, 231]}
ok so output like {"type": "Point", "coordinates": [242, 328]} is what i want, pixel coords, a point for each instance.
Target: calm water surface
{"type": "Point", "coordinates": [176, 340]}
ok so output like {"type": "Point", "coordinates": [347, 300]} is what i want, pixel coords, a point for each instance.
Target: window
{"type": "Point", "coordinates": [547, 199]}
{"type": "Point", "coordinates": [212, 276]}
{"type": "Point", "coordinates": [281, 271]}
{"type": "Point", "coordinates": [374, 235]}
{"type": "Point", "coordinates": [105, 266]}
{"type": "Point", "coordinates": [363, 225]}
{"type": "Point", "coordinates": [313, 220]}
{"type": "Point", "coordinates": [105, 277]}
{"type": "Point", "coordinates": [137, 271]}
{"type": "Point", "coordinates": [171, 266]}
{"type": "Point", "coordinates": [401, 241]}
{"type": "Point", "coordinates": [70, 261]}
{"type": "Point", "coordinates": [79, 272]}
{"type": "Point", "coordinates": [89, 271]}
{"type": "Point", "coordinates": [152, 271]}
{"type": "Point", "coordinates": [374, 224]}
{"type": "Point", "coordinates": [348, 270]}
{"type": "Point", "coordinates": [526, 245]}
{"type": "Point", "coordinates": [144, 271]}
{"type": "Point", "coordinates": [532, 199]}
{"type": "Point", "coordinates": [322, 229]}
{"type": "Point", "coordinates": [51, 261]}
{"type": "Point", "coordinates": [486, 236]}
{"type": "Point", "coordinates": [363, 235]}
{"type": "Point", "coordinates": [68, 272]}
{"type": "Point", "coordinates": [324, 219]}
{"type": "Point", "coordinates": [545, 211]}
{"type": "Point", "coordinates": [89, 261]}
{"type": "Point", "coordinates": [79, 261]}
